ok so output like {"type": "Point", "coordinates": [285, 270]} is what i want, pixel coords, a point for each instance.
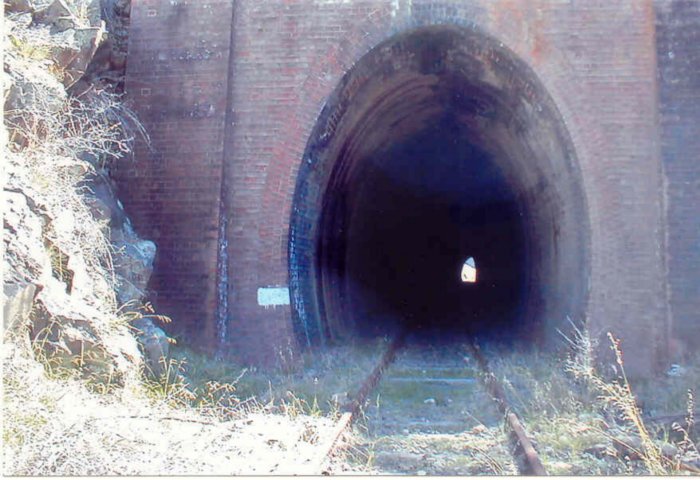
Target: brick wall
{"type": "Point", "coordinates": [177, 81]}
{"type": "Point", "coordinates": [596, 58]}
{"type": "Point", "coordinates": [678, 47]}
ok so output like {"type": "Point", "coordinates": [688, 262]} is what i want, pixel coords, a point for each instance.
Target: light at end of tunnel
{"type": "Point", "coordinates": [469, 271]}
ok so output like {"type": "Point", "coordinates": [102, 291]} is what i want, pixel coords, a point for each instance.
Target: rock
{"type": "Point", "coordinates": [34, 90]}
{"type": "Point", "coordinates": [692, 459]}
{"type": "Point", "coordinates": [559, 467]}
{"type": "Point", "coordinates": [17, 304]}
{"type": "Point", "coordinates": [429, 401]}
{"type": "Point", "coordinates": [32, 258]}
{"type": "Point", "coordinates": [479, 429]}
{"type": "Point", "coordinates": [66, 338]}
{"type": "Point", "coordinates": [599, 450]}
{"type": "Point", "coordinates": [31, 93]}
{"type": "Point", "coordinates": [58, 15]}
{"type": "Point", "coordinates": [628, 446]}
{"type": "Point", "coordinates": [154, 344]}
{"type": "Point", "coordinates": [64, 55]}
{"type": "Point", "coordinates": [676, 371]}
{"type": "Point", "coordinates": [25, 259]}
{"type": "Point", "coordinates": [62, 15]}
{"type": "Point", "coordinates": [102, 198]}
{"type": "Point", "coordinates": [116, 13]}
{"type": "Point", "coordinates": [104, 71]}
{"type": "Point", "coordinates": [668, 450]}
{"type": "Point", "coordinates": [128, 292]}
{"type": "Point", "coordinates": [73, 51]}
{"type": "Point", "coordinates": [397, 460]}
{"type": "Point", "coordinates": [340, 398]}
{"type": "Point", "coordinates": [133, 257]}
{"type": "Point", "coordinates": [30, 6]}
{"type": "Point", "coordinates": [99, 209]}
{"type": "Point", "coordinates": [133, 263]}
{"type": "Point", "coordinates": [69, 334]}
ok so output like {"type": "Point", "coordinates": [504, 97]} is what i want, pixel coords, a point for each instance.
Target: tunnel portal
{"type": "Point", "coordinates": [268, 128]}
{"type": "Point", "coordinates": [437, 146]}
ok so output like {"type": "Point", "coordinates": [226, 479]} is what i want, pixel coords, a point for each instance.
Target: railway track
{"type": "Point", "coordinates": [524, 453]}
{"type": "Point", "coordinates": [434, 386]}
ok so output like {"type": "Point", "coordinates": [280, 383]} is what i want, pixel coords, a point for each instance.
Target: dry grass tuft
{"type": "Point", "coordinates": [586, 422]}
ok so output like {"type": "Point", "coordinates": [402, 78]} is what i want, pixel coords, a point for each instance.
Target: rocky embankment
{"type": "Point", "coordinates": [75, 272]}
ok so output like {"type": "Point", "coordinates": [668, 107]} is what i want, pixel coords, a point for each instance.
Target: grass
{"type": "Point", "coordinates": [320, 383]}
{"type": "Point", "coordinates": [570, 414]}
{"type": "Point", "coordinates": [478, 451]}
{"type": "Point", "coordinates": [54, 425]}
{"type": "Point", "coordinates": [586, 422]}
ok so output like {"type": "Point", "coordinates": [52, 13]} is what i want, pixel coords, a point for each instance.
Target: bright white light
{"type": "Point", "coordinates": [469, 271]}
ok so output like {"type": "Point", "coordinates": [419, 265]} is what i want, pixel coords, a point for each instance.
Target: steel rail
{"type": "Point", "coordinates": [353, 407]}
{"type": "Point", "coordinates": [524, 452]}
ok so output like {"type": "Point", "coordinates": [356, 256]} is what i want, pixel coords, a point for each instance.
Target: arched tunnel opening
{"type": "Point", "coordinates": [439, 146]}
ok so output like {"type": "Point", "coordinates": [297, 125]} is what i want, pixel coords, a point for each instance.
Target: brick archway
{"type": "Point", "coordinates": [513, 138]}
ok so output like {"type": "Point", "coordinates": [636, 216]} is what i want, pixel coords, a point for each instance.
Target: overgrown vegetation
{"type": "Point", "coordinates": [587, 422]}
{"type": "Point", "coordinates": [582, 421]}
{"type": "Point", "coordinates": [319, 384]}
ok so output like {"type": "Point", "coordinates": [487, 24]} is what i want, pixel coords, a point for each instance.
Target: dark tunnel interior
{"type": "Point", "coordinates": [423, 207]}
{"type": "Point", "coordinates": [438, 146]}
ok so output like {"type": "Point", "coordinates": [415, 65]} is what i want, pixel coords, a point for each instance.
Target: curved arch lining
{"type": "Point", "coordinates": [437, 146]}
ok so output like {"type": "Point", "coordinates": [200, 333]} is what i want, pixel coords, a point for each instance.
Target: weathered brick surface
{"type": "Point", "coordinates": [597, 59]}
{"type": "Point", "coordinates": [177, 82]}
{"type": "Point", "coordinates": [678, 47]}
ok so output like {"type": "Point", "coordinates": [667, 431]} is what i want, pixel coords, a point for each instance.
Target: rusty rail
{"type": "Point", "coordinates": [353, 407]}
{"type": "Point", "coordinates": [372, 380]}
{"type": "Point", "coordinates": [524, 453]}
